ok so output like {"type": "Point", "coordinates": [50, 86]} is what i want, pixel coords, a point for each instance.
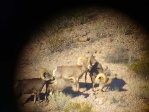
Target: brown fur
{"type": "Point", "coordinates": [34, 85]}
{"type": "Point", "coordinates": [95, 70]}
{"type": "Point", "coordinates": [75, 71]}
{"type": "Point", "coordinates": [59, 84]}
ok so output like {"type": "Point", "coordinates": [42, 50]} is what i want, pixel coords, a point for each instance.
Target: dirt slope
{"type": "Point", "coordinates": [111, 41]}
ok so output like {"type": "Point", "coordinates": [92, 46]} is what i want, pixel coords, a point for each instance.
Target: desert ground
{"type": "Point", "coordinates": [113, 38]}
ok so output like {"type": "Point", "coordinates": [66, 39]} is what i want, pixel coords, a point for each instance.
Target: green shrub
{"type": "Point", "coordinates": [141, 65]}
{"type": "Point", "coordinates": [79, 107]}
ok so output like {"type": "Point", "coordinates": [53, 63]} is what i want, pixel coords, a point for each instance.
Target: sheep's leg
{"type": "Point", "coordinates": [101, 88]}
{"type": "Point", "coordinates": [46, 96]}
{"type": "Point", "coordinates": [78, 87]}
{"type": "Point", "coordinates": [93, 82]}
{"type": "Point", "coordinates": [107, 88]}
{"type": "Point", "coordinates": [38, 96]}
{"type": "Point", "coordinates": [85, 79]}
{"type": "Point", "coordinates": [46, 93]}
{"type": "Point", "coordinates": [35, 96]}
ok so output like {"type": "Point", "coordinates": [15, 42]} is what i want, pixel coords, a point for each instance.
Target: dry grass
{"type": "Point", "coordinates": [119, 56]}
{"type": "Point", "coordinates": [140, 66]}
{"type": "Point", "coordinates": [60, 102]}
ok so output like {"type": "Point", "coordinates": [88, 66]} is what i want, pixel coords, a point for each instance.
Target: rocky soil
{"type": "Point", "coordinates": [112, 45]}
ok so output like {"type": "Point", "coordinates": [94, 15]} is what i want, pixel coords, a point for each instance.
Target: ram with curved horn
{"type": "Point", "coordinates": [59, 84]}
{"type": "Point", "coordinates": [32, 86]}
{"type": "Point", "coordinates": [75, 71]}
{"type": "Point", "coordinates": [95, 69]}
{"type": "Point", "coordinates": [106, 82]}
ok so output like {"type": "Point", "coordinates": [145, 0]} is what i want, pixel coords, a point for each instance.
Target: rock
{"type": "Point", "coordinates": [100, 101]}
{"type": "Point", "coordinates": [83, 39]}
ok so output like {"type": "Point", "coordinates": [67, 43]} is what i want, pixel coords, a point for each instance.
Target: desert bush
{"type": "Point", "coordinates": [141, 88]}
{"type": "Point", "coordinates": [79, 107]}
{"type": "Point", "coordinates": [60, 102]}
{"type": "Point", "coordinates": [119, 56]}
{"type": "Point", "coordinates": [119, 101]}
{"type": "Point", "coordinates": [140, 66]}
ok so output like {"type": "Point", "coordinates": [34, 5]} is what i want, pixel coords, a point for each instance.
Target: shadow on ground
{"type": "Point", "coordinates": [117, 84]}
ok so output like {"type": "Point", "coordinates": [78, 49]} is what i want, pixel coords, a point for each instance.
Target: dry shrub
{"type": "Point", "coordinates": [60, 102]}
{"type": "Point", "coordinates": [141, 89]}
{"type": "Point", "coordinates": [119, 56]}
{"type": "Point", "coordinates": [140, 66]}
{"type": "Point", "coordinates": [118, 100]}
{"type": "Point", "coordinates": [79, 107]}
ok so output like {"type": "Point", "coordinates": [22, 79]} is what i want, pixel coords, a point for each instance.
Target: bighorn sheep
{"type": "Point", "coordinates": [34, 85]}
{"type": "Point", "coordinates": [75, 71]}
{"type": "Point", "coordinates": [106, 82]}
{"type": "Point", "coordinates": [95, 69]}
{"type": "Point", "coordinates": [59, 84]}
{"type": "Point", "coordinates": [112, 83]}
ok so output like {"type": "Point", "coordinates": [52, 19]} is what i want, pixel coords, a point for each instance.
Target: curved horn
{"type": "Point", "coordinates": [101, 75]}
{"type": "Point", "coordinates": [72, 78]}
{"type": "Point", "coordinates": [81, 59]}
{"type": "Point", "coordinates": [42, 72]}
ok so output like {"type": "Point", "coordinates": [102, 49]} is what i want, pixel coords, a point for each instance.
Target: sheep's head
{"type": "Point", "coordinates": [84, 61]}
{"type": "Point", "coordinates": [74, 84]}
{"type": "Point", "coordinates": [92, 60]}
{"type": "Point", "coordinates": [45, 75]}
